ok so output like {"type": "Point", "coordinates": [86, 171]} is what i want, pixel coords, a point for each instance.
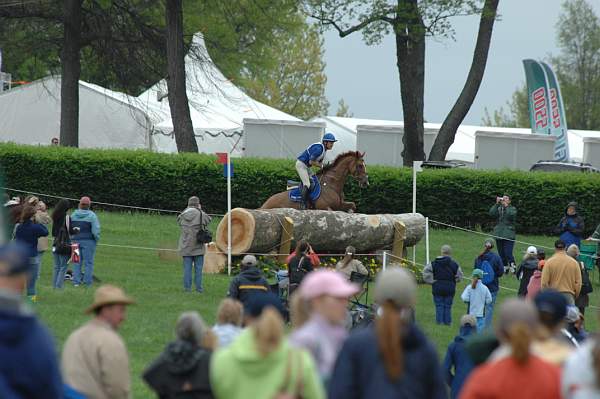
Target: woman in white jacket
{"type": "Point", "coordinates": [477, 296]}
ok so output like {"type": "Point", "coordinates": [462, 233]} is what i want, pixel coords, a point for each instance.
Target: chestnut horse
{"type": "Point", "coordinates": [332, 178]}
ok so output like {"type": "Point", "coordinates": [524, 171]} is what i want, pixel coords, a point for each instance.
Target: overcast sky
{"type": "Point", "coordinates": [366, 77]}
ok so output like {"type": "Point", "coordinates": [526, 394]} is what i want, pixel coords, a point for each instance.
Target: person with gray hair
{"type": "Point", "coordinates": [192, 220]}
{"type": "Point", "coordinates": [182, 370]}
{"type": "Point", "coordinates": [249, 282]}
{"type": "Point", "coordinates": [446, 273]}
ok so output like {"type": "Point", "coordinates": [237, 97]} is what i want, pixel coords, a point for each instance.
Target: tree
{"type": "Point", "coordinates": [445, 136]}
{"type": "Point", "coordinates": [411, 21]}
{"type": "Point", "coordinates": [297, 86]}
{"type": "Point", "coordinates": [578, 71]}
{"type": "Point", "coordinates": [178, 100]}
{"type": "Point", "coordinates": [343, 110]}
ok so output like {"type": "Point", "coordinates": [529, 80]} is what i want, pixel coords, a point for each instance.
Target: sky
{"type": "Point", "coordinates": [366, 77]}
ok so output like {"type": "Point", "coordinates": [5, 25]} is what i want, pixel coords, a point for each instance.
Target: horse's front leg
{"type": "Point", "coordinates": [348, 207]}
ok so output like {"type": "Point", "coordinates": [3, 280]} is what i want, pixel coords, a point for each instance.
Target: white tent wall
{"type": "Point", "coordinates": [591, 151]}
{"type": "Point", "coordinates": [383, 144]}
{"type": "Point", "coordinates": [279, 139]}
{"type": "Point", "coordinates": [497, 150]}
{"type": "Point", "coordinates": [30, 114]}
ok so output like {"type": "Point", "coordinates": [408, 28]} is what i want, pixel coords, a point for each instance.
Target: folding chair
{"type": "Point", "coordinates": [362, 280]}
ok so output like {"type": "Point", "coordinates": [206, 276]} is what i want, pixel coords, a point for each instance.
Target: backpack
{"type": "Point", "coordinates": [488, 272]}
{"type": "Point", "coordinates": [586, 284]}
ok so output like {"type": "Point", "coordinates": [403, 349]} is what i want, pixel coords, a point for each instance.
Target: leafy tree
{"type": "Point", "coordinates": [343, 109]}
{"type": "Point", "coordinates": [297, 86]}
{"type": "Point", "coordinates": [516, 115]}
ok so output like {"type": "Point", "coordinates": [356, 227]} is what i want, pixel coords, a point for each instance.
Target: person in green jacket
{"type": "Point", "coordinates": [260, 363]}
{"type": "Point", "coordinates": [505, 230]}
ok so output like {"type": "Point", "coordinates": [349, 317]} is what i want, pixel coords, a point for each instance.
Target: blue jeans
{"type": "Point", "coordinates": [505, 250]}
{"type": "Point", "coordinates": [34, 274]}
{"type": "Point", "coordinates": [87, 251]}
{"type": "Point", "coordinates": [443, 309]}
{"type": "Point", "coordinates": [481, 324]}
{"type": "Point", "coordinates": [60, 268]}
{"type": "Point", "coordinates": [197, 262]}
{"type": "Point", "coordinates": [489, 310]}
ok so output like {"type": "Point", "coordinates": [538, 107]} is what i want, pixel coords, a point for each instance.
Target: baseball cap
{"type": "Point", "coordinates": [552, 303]}
{"type": "Point", "coordinates": [573, 314]}
{"type": "Point", "coordinates": [477, 273]}
{"type": "Point", "coordinates": [532, 250]}
{"type": "Point", "coordinates": [489, 243]}
{"type": "Point", "coordinates": [468, 319]}
{"type": "Point", "coordinates": [397, 285]}
{"type": "Point", "coordinates": [326, 282]}
{"type": "Point", "coordinates": [249, 260]}
{"type": "Point", "coordinates": [85, 200]}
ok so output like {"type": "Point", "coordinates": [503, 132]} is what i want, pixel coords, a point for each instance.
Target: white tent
{"type": "Point", "coordinates": [30, 114]}
{"type": "Point", "coordinates": [217, 106]}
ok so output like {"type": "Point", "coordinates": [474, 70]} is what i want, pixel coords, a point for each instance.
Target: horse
{"type": "Point", "coordinates": [332, 178]}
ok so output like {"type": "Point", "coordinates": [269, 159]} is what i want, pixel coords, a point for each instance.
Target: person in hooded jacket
{"type": "Point", "coordinates": [446, 273]}
{"type": "Point", "coordinates": [191, 221]}
{"type": "Point", "coordinates": [391, 358]}
{"type": "Point", "coordinates": [458, 363]}
{"type": "Point", "coordinates": [28, 362]}
{"type": "Point", "coordinates": [535, 282]}
{"type": "Point", "coordinates": [249, 282]}
{"type": "Point", "coordinates": [87, 237]}
{"type": "Point", "coordinates": [526, 270]}
{"type": "Point", "coordinates": [571, 226]}
{"type": "Point", "coordinates": [182, 370]}
{"type": "Point", "coordinates": [496, 262]}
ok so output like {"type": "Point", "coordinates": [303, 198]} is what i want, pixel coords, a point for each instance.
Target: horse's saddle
{"type": "Point", "coordinates": [294, 190]}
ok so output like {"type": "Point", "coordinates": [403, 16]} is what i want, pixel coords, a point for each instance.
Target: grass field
{"type": "Point", "coordinates": [157, 287]}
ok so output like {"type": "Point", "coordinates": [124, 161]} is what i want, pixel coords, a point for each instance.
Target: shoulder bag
{"type": "Point", "coordinates": [203, 236]}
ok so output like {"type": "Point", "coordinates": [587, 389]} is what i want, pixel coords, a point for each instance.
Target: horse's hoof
{"type": "Point", "coordinates": [350, 210]}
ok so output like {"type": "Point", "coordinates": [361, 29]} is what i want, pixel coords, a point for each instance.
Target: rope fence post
{"type": "Point", "coordinates": [426, 240]}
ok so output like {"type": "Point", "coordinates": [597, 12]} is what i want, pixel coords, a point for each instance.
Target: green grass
{"type": "Point", "coordinates": [157, 287]}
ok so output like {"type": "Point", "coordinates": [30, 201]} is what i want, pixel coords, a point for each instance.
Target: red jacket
{"type": "Point", "coordinates": [506, 378]}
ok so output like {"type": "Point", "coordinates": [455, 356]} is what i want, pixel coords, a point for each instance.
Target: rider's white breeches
{"type": "Point", "coordinates": [303, 172]}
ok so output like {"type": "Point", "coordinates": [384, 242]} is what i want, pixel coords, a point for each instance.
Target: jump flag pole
{"type": "Point", "coordinates": [229, 206]}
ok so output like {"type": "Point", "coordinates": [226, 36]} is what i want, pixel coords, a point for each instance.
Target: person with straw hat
{"type": "Point", "coordinates": [95, 360]}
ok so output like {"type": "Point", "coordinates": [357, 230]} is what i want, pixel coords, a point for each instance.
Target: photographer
{"type": "Point", "coordinates": [505, 230]}
{"type": "Point", "coordinates": [300, 265]}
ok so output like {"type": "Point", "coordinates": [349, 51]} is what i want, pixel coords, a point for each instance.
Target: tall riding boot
{"type": "Point", "coordinates": [305, 200]}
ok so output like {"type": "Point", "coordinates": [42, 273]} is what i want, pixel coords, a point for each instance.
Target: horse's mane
{"type": "Point", "coordinates": [339, 159]}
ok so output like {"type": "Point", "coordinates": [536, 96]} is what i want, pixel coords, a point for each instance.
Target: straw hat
{"type": "Point", "coordinates": [109, 295]}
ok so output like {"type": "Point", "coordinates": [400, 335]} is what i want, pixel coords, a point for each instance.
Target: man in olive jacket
{"type": "Point", "coordinates": [505, 230]}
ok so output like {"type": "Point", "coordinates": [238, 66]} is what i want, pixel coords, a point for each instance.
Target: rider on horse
{"type": "Point", "coordinates": [312, 156]}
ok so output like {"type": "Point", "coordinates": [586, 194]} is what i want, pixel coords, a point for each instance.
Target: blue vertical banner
{"type": "Point", "coordinates": [230, 169]}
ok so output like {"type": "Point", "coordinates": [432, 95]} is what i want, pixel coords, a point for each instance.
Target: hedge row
{"type": "Point", "coordinates": [461, 197]}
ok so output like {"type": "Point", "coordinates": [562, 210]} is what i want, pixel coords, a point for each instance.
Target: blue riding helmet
{"type": "Point", "coordinates": [329, 137]}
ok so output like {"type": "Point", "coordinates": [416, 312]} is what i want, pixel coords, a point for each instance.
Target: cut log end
{"type": "Point", "coordinates": [242, 231]}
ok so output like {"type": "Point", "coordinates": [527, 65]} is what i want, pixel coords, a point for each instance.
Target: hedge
{"type": "Point", "coordinates": [461, 197]}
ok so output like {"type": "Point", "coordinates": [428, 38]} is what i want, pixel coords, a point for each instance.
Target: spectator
{"type": "Point", "coordinates": [392, 358]}
{"type": "Point", "coordinates": [300, 265]}
{"type": "Point", "coordinates": [28, 233]}
{"type": "Point", "coordinates": [526, 269]}
{"type": "Point", "coordinates": [575, 326]}
{"type": "Point", "coordinates": [87, 237]}
{"type": "Point", "coordinates": [582, 301]}
{"type": "Point", "coordinates": [314, 258]}
{"type": "Point", "coordinates": [446, 273]}
{"type": "Point", "coordinates": [95, 360]}
{"type": "Point", "coordinates": [62, 230]}
{"type": "Point", "coordinates": [16, 210]}
{"type": "Point", "coordinates": [491, 264]}
{"type": "Point", "coordinates": [581, 374]}
{"type": "Point", "coordinates": [571, 226]}
{"type": "Point", "coordinates": [192, 220]}
{"type": "Point", "coordinates": [249, 282]}
{"type": "Point", "coordinates": [182, 370]}
{"type": "Point", "coordinates": [552, 344]}
{"type": "Point", "coordinates": [535, 282]}
{"type": "Point", "coordinates": [230, 316]}
{"type": "Point", "coordinates": [260, 363]}
{"type": "Point", "coordinates": [326, 294]}
{"type": "Point", "coordinates": [541, 258]}
{"type": "Point", "coordinates": [41, 217]}
{"type": "Point", "coordinates": [457, 363]}
{"type": "Point", "coordinates": [562, 273]}
{"type": "Point", "coordinates": [348, 264]}
{"type": "Point", "coordinates": [520, 374]}
{"type": "Point", "coordinates": [477, 296]}
{"type": "Point", "coordinates": [505, 230]}
{"type": "Point", "coordinates": [28, 365]}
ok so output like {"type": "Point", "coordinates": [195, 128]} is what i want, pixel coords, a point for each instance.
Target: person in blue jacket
{"type": "Point", "coordinates": [446, 273]}
{"type": "Point", "coordinates": [498, 266]}
{"type": "Point", "coordinates": [312, 156]}
{"type": "Point", "coordinates": [571, 226]}
{"type": "Point", "coordinates": [87, 237]}
{"type": "Point", "coordinates": [392, 358]}
{"type": "Point", "coordinates": [27, 233]}
{"type": "Point", "coordinates": [28, 361]}
{"type": "Point", "coordinates": [457, 363]}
